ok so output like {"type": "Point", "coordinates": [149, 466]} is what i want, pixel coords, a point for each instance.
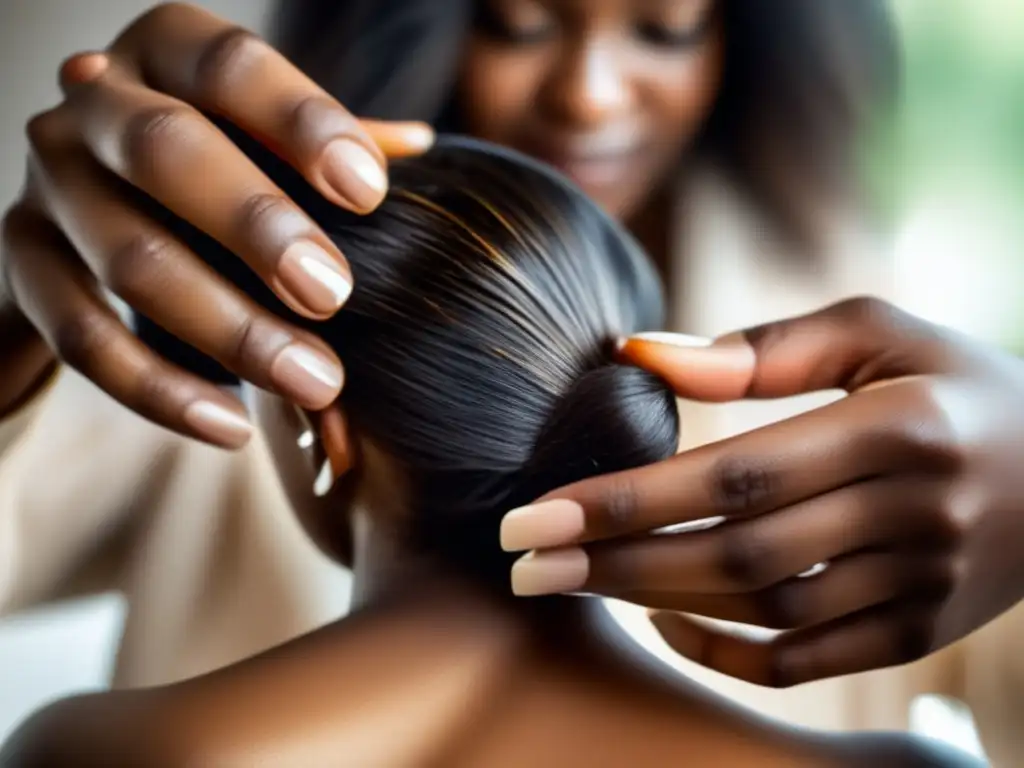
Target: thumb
{"type": "Point", "coordinates": [696, 368]}
{"type": "Point", "coordinates": [844, 346]}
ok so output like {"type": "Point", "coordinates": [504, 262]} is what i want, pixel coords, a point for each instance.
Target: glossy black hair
{"type": "Point", "coordinates": [479, 339]}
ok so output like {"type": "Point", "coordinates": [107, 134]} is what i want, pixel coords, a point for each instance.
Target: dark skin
{"type": "Point", "coordinates": [72, 232]}
{"type": "Point", "coordinates": [574, 82]}
{"type": "Point", "coordinates": [431, 668]}
{"type": "Point", "coordinates": [909, 488]}
{"type": "Point", "coordinates": [440, 677]}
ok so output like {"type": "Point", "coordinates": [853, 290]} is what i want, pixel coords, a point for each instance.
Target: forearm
{"type": "Point", "coordinates": [25, 359]}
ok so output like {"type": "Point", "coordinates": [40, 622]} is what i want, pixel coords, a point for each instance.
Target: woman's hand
{"type": "Point", "coordinates": [134, 115]}
{"type": "Point", "coordinates": [911, 490]}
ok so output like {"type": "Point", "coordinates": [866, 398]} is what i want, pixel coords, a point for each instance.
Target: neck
{"type": "Point", "coordinates": [652, 227]}
{"type": "Point", "coordinates": [387, 572]}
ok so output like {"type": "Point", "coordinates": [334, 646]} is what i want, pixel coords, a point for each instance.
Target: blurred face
{"type": "Point", "coordinates": [610, 92]}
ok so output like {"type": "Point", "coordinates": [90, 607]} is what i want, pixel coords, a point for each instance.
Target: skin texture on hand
{"type": "Point", "coordinates": [27, 361]}
{"type": "Point", "coordinates": [909, 490]}
{"type": "Point", "coordinates": [135, 114]}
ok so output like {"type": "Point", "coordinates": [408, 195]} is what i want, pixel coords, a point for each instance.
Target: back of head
{"type": "Point", "coordinates": [479, 340]}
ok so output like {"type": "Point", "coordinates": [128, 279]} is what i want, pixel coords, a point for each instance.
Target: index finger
{"type": "Point", "coordinates": [199, 58]}
{"type": "Point", "coordinates": [751, 474]}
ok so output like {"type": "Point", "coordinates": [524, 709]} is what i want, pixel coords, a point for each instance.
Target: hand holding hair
{"type": "Point", "coordinates": [910, 490]}
{"type": "Point", "coordinates": [136, 116]}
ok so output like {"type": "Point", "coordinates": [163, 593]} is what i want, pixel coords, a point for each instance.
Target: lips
{"type": "Point", "coordinates": [597, 171]}
{"type": "Point", "coordinates": [589, 166]}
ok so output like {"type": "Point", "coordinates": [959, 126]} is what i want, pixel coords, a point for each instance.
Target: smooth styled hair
{"type": "Point", "coordinates": [803, 81]}
{"type": "Point", "coordinates": [479, 340]}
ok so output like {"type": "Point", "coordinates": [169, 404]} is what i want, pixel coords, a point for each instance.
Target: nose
{"type": "Point", "coordinates": [589, 86]}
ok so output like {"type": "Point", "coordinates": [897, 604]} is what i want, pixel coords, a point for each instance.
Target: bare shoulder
{"type": "Point", "coordinates": [107, 729]}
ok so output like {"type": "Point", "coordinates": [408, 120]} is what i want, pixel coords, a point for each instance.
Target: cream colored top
{"type": "Point", "coordinates": [215, 568]}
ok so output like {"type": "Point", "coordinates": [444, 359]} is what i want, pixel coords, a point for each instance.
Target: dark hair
{"type": "Point", "coordinates": [479, 339]}
{"type": "Point", "coordinates": [802, 79]}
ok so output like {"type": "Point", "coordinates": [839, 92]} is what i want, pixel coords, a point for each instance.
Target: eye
{"type": "Point", "coordinates": [514, 23]}
{"type": "Point", "coordinates": [665, 36]}
{"type": "Point", "coordinates": [677, 25]}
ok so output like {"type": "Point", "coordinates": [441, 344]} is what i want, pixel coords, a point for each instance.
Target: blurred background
{"type": "Point", "coordinates": [947, 170]}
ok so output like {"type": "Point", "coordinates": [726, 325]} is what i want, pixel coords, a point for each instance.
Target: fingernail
{"type": "Point", "coordinates": [550, 573]}
{"type": "Point", "coordinates": [813, 571]}
{"type": "Point", "coordinates": [691, 526]}
{"type": "Point", "coordinates": [306, 375]}
{"type": "Point", "coordinates": [307, 438]}
{"type": "Point", "coordinates": [216, 423]}
{"type": "Point", "coordinates": [313, 277]}
{"type": "Point", "coordinates": [354, 173]}
{"type": "Point", "coordinates": [324, 480]}
{"type": "Point", "coordinates": [419, 137]}
{"type": "Point", "coordinates": [731, 351]}
{"type": "Point", "coordinates": [672, 339]}
{"type": "Point", "coordinates": [542, 526]}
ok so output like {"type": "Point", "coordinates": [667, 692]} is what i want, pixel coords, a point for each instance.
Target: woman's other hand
{"type": "Point", "coordinates": [910, 491]}
{"type": "Point", "coordinates": [134, 115]}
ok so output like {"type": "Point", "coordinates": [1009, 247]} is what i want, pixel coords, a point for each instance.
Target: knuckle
{"type": "Point", "coordinates": [152, 23]}
{"type": "Point", "coordinates": [766, 336]}
{"type": "Point", "coordinates": [225, 59]}
{"type": "Point", "coordinates": [155, 389]}
{"type": "Point", "coordinates": [951, 521]}
{"type": "Point", "coordinates": [945, 578]}
{"type": "Point", "coordinates": [243, 348]}
{"type": "Point", "coordinates": [161, 14]}
{"type": "Point", "coordinates": [41, 130]}
{"type": "Point", "coordinates": [784, 606]}
{"type": "Point", "coordinates": [746, 559]}
{"type": "Point", "coordinates": [12, 226]}
{"type": "Point", "coordinates": [620, 505]}
{"type": "Point", "coordinates": [741, 486]}
{"type": "Point", "coordinates": [314, 111]}
{"type": "Point", "coordinates": [868, 312]}
{"type": "Point", "coordinates": [136, 268]}
{"type": "Point", "coordinates": [782, 671]}
{"type": "Point", "coordinates": [913, 640]}
{"type": "Point", "coordinates": [16, 229]}
{"type": "Point", "coordinates": [79, 340]}
{"type": "Point", "coordinates": [931, 436]}
{"type": "Point", "coordinates": [259, 212]}
{"type": "Point", "coordinates": [150, 133]}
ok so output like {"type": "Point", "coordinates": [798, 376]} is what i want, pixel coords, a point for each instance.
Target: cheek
{"type": "Point", "coordinates": [684, 96]}
{"type": "Point", "coordinates": [497, 90]}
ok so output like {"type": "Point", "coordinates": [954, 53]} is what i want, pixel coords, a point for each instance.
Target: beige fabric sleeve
{"type": "Point", "coordinates": [74, 467]}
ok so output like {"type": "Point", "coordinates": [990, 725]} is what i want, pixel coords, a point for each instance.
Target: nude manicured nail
{"type": "Point", "coordinates": [313, 277]}
{"type": "Point", "coordinates": [354, 173]}
{"type": "Point", "coordinates": [306, 375]}
{"type": "Point", "coordinates": [216, 423]}
{"type": "Point", "coordinates": [719, 371]}
{"type": "Point", "coordinates": [550, 573]}
{"type": "Point", "coordinates": [672, 339]}
{"type": "Point", "coordinates": [324, 480]}
{"type": "Point", "coordinates": [542, 526]}
{"type": "Point", "coordinates": [420, 137]}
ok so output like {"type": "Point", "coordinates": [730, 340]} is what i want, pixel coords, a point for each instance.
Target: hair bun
{"type": "Point", "coordinates": [615, 417]}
